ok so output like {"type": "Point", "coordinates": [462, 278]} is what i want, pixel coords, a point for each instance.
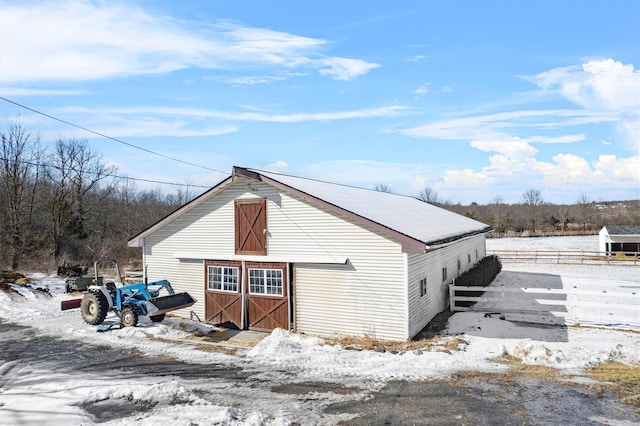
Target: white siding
{"type": "Point", "coordinates": [603, 239]}
{"type": "Point", "coordinates": [429, 266]}
{"type": "Point", "coordinates": [207, 227]}
{"type": "Point", "coordinates": [366, 296]}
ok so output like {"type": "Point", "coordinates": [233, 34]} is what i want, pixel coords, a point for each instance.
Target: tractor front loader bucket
{"type": "Point", "coordinates": [162, 305]}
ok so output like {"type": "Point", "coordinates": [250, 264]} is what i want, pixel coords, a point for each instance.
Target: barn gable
{"type": "Point", "coordinates": [419, 225]}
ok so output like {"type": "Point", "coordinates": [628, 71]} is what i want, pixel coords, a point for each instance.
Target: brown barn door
{"type": "Point", "coordinates": [267, 300]}
{"type": "Point", "coordinates": [251, 223]}
{"type": "Point", "coordinates": [223, 296]}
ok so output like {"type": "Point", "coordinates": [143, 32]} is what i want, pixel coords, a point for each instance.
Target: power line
{"type": "Point", "coordinates": [53, 166]}
{"type": "Point", "coordinates": [110, 137]}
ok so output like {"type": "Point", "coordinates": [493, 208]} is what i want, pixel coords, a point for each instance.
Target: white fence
{"type": "Point", "coordinates": [552, 306]}
{"type": "Point", "coordinates": [565, 257]}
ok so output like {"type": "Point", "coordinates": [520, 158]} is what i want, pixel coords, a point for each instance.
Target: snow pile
{"type": "Point", "coordinates": [165, 392]}
{"type": "Point", "coordinates": [563, 348]}
{"type": "Point", "coordinates": [192, 415]}
{"type": "Point", "coordinates": [281, 342]}
{"type": "Point", "coordinates": [531, 353]}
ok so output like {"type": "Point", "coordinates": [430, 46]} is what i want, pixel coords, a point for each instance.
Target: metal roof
{"type": "Point", "coordinates": [623, 230]}
{"type": "Point", "coordinates": [421, 221]}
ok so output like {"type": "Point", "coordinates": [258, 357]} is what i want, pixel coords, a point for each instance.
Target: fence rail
{"type": "Point", "coordinates": [566, 256]}
{"type": "Point", "coordinates": [133, 276]}
{"type": "Point", "coordinates": [551, 306]}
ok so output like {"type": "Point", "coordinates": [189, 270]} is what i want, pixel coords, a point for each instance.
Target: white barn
{"type": "Point", "coordinates": [263, 250]}
{"type": "Point", "coordinates": [619, 239]}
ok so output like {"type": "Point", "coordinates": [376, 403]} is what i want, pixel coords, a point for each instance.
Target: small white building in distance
{"type": "Point", "coordinates": [619, 239]}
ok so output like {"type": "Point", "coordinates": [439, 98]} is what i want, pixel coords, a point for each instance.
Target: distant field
{"type": "Point", "coordinates": [586, 243]}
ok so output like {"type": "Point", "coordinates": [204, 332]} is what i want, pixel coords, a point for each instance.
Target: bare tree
{"type": "Point", "coordinates": [532, 200]}
{"type": "Point", "coordinates": [563, 217]}
{"type": "Point", "coordinates": [75, 171]}
{"type": "Point", "coordinates": [429, 195]}
{"type": "Point", "coordinates": [498, 214]}
{"type": "Point", "coordinates": [182, 196]}
{"type": "Point", "coordinates": [19, 154]}
{"type": "Point", "coordinates": [383, 187]}
{"type": "Point", "coordinates": [585, 211]}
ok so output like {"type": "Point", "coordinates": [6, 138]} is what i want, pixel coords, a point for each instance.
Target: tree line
{"type": "Point", "coordinates": [65, 205]}
{"type": "Point", "coordinates": [532, 216]}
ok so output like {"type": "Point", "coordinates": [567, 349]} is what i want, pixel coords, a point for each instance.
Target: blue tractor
{"type": "Point", "coordinates": [129, 302]}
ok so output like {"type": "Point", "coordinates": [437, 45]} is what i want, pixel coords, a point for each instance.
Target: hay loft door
{"type": "Point", "coordinates": [251, 226]}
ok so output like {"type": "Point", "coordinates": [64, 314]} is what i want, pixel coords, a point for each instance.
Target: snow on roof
{"type": "Point", "coordinates": [410, 216]}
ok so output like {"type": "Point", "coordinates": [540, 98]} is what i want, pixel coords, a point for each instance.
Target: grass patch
{"type": "Point", "coordinates": [433, 344]}
{"type": "Point", "coordinates": [621, 379]}
{"type": "Point", "coordinates": [518, 369]}
{"type": "Point", "coordinates": [7, 277]}
{"type": "Point", "coordinates": [624, 330]}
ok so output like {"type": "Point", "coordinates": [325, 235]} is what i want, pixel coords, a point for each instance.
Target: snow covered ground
{"type": "Point", "coordinates": [33, 395]}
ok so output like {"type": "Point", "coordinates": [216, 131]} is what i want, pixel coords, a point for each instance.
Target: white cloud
{"type": "Point", "coordinates": [597, 84]}
{"type": "Point", "coordinates": [385, 111]}
{"type": "Point", "coordinates": [26, 91]}
{"type": "Point", "coordinates": [81, 40]}
{"type": "Point", "coordinates": [567, 169]}
{"type": "Point", "coordinates": [512, 169]}
{"type": "Point", "coordinates": [345, 68]}
{"type": "Point", "coordinates": [489, 126]}
{"type": "Point", "coordinates": [456, 179]}
{"type": "Point", "coordinates": [422, 90]}
{"type": "Point", "coordinates": [279, 166]}
{"type": "Point", "coordinates": [515, 165]}
{"type": "Point", "coordinates": [417, 58]}
{"type": "Point", "coordinates": [514, 149]}
{"type": "Point", "coordinates": [604, 86]}
{"type": "Point", "coordinates": [141, 127]}
{"type": "Point", "coordinates": [251, 80]}
{"type": "Point", "coordinates": [627, 169]}
{"type": "Point", "coordinates": [606, 91]}
{"type": "Point", "coordinates": [558, 139]}
{"type": "Point", "coordinates": [571, 170]}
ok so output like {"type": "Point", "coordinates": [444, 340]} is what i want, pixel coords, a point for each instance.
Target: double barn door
{"type": "Point", "coordinates": [266, 303]}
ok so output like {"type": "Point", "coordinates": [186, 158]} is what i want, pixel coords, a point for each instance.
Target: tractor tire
{"type": "Point", "coordinates": [129, 317]}
{"type": "Point", "coordinates": [157, 318]}
{"type": "Point", "coordinates": [94, 307]}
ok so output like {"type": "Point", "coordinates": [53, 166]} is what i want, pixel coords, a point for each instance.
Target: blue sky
{"type": "Point", "coordinates": [475, 99]}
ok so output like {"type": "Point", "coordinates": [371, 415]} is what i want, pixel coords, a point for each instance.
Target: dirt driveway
{"type": "Point", "coordinates": [467, 399]}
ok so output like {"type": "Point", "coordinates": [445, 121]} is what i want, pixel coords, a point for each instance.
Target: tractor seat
{"type": "Point", "coordinates": [111, 287]}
